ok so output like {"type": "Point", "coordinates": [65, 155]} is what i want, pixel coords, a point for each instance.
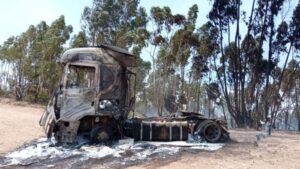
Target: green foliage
{"type": "Point", "coordinates": [295, 27]}
{"type": "Point", "coordinates": [142, 71]}
{"type": "Point", "coordinates": [176, 41]}
{"type": "Point", "coordinates": [79, 40]}
{"type": "Point", "coordinates": [120, 23]}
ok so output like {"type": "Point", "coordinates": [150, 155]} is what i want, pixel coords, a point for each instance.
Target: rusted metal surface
{"type": "Point", "coordinates": [177, 128]}
{"type": "Point", "coordinates": [157, 129]}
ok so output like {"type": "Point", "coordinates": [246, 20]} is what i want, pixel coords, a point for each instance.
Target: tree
{"type": "Point", "coordinates": [32, 57]}
{"type": "Point", "coordinates": [173, 41]}
{"type": "Point", "coordinates": [119, 23]}
{"type": "Point", "coordinates": [222, 15]}
{"type": "Point", "coordinates": [79, 40]}
{"type": "Point", "coordinates": [207, 48]}
{"type": "Point", "coordinates": [242, 70]}
{"type": "Point", "coordinates": [12, 50]}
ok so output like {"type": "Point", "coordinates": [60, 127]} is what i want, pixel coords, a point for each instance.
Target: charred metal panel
{"type": "Point", "coordinates": [111, 84]}
{"type": "Point", "coordinates": [103, 54]}
{"type": "Point", "coordinates": [94, 84]}
{"type": "Point", "coordinates": [67, 132]}
{"type": "Point", "coordinates": [121, 55]}
{"type": "Point", "coordinates": [157, 130]}
{"type": "Point", "coordinates": [74, 108]}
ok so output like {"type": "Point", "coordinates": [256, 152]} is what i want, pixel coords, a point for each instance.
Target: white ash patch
{"type": "Point", "coordinates": [125, 152]}
{"type": "Point", "coordinates": [45, 150]}
{"type": "Point", "coordinates": [99, 152]}
{"type": "Point", "coordinates": [41, 150]}
{"type": "Point", "coordinates": [193, 145]}
{"type": "Point", "coordinates": [208, 146]}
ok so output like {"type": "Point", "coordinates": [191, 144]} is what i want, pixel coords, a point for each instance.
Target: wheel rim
{"type": "Point", "coordinates": [212, 132]}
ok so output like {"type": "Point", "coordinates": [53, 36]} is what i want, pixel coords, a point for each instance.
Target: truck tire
{"type": "Point", "coordinates": [101, 134]}
{"type": "Point", "coordinates": [210, 131]}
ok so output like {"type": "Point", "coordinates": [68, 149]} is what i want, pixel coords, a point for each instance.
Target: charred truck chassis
{"type": "Point", "coordinates": [177, 128]}
{"type": "Point", "coordinates": [96, 95]}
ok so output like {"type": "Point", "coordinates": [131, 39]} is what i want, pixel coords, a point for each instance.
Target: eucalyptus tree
{"type": "Point", "coordinates": [207, 49]}
{"type": "Point", "coordinates": [290, 91]}
{"type": "Point", "coordinates": [173, 40]}
{"type": "Point", "coordinates": [242, 71]}
{"type": "Point", "coordinates": [32, 57]}
{"type": "Point", "coordinates": [183, 46]}
{"type": "Point", "coordinates": [13, 51]}
{"type": "Point", "coordinates": [287, 39]}
{"type": "Point", "coordinates": [46, 51]}
{"type": "Point", "coordinates": [222, 15]}
{"type": "Point", "coordinates": [266, 12]}
{"type": "Point", "coordinates": [164, 25]}
{"type": "Point", "coordinates": [79, 40]}
{"type": "Point", "coordinates": [120, 23]}
{"type": "Point", "coordinates": [16, 51]}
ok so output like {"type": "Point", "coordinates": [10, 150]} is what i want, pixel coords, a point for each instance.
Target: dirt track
{"type": "Point", "coordinates": [282, 150]}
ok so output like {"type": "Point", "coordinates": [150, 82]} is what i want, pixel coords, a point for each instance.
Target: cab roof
{"type": "Point", "coordinates": [104, 54]}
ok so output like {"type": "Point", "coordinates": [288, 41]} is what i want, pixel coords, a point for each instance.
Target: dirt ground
{"type": "Point", "coordinates": [19, 124]}
{"type": "Point", "coordinates": [280, 151]}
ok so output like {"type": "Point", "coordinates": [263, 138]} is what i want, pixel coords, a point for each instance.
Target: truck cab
{"type": "Point", "coordinates": [93, 99]}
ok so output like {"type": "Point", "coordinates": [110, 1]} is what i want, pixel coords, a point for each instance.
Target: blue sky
{"type": "Point", "coordinates": [17, 15]}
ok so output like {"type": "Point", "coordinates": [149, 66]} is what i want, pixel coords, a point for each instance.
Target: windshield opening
{"type": "Point", "coordinates": [80, 77]}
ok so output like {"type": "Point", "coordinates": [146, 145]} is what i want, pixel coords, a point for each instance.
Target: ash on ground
{"type": "Point", "coordinates": [43, 153]}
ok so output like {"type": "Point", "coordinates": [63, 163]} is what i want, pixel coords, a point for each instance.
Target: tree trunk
{"type": "Point", "coordinates": [224, 86]}
{"type": "Point", "coordinates": [188, 91]}
{"type": "Point", "coordinates": [297, 104]}
{"type": "Point", "coordinates": [269, 70]}
{"type": "Point", "coordinates": [197, 98]}
{"type": "Point", "coordinates": [223, 110]}
{"type": "Point", "coordinates": [286, 120]}
{"type": "Point", "coordinates": [298, 120]}
{"type": "Point", "coordinates": [182, 72]}
{"type": "Point", "coordinates": [244, 68]}
{"type": "Point", "coordinates": [277, 104]}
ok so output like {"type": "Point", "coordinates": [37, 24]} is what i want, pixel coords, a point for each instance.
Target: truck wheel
{"type": "Point", "coordinates": [101, 134]}
{"type": "Point", "coordinates": [210, 131]}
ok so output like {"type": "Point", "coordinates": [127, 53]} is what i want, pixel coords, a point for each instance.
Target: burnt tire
{"type": "Point", "coordinates": [210, 131]}
{"type": "Point", "coordinates": [101, 134]}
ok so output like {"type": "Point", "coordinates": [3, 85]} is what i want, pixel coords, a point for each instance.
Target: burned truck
{"type": "Point", "coordinates": [96, 95]}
